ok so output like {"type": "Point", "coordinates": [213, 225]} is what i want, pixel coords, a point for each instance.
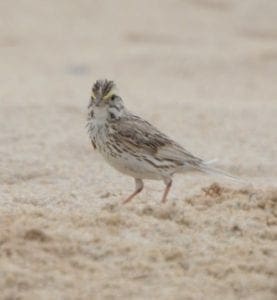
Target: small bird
{"type": "Point", "coordinates": [135, 147]}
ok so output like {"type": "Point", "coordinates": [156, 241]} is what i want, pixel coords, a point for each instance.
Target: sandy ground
{"type": "Point", "coordinates": [203, 71]}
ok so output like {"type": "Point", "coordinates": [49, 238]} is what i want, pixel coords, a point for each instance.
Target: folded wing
{"type": "Point", "coordinates": [140, 136]}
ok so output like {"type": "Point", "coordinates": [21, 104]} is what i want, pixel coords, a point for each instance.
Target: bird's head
{"type": "Point", "coordinates": [103, 91]}
{"type": "Point", "coordinates": [104, 100]}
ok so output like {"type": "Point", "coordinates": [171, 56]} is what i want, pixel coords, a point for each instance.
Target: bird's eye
{"type": "Point", "coordinates": [113, 97]}
{"type": "Point", "coordinates": [112, 116]}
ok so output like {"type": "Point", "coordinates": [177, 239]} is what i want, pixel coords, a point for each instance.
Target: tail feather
{"type": "Point", "coordinates": [205, 167]}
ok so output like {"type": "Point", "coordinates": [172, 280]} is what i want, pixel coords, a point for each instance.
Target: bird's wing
{"type": "Point", "coordinates": [140, 136]}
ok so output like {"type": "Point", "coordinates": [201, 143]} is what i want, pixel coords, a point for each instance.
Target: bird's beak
{"type": "Point", "coordinates": [98, 100]}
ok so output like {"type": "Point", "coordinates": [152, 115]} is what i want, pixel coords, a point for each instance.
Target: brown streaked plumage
{"type": "Point", "coordinates": [102, 88]}
{"type": "Point", "coordinates": [135, 147]}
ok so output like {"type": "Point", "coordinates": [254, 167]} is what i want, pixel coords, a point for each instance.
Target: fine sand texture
{"type": "Point", "coordinates": [202, 71]}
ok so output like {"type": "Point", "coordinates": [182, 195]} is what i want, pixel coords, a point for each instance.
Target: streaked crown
{"type": "Point", "coordinates": [103, 89]}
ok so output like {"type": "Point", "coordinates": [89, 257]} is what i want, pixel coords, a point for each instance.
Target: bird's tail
{"type": "Point", "coordinates": [205, 166]}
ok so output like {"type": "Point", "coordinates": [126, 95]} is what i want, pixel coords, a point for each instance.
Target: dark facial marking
{"type": "Point", "coordinates": [114, 106]}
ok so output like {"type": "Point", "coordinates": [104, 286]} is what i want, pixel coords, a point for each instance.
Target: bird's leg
{"type": "Point", "coordinates": [139, 187]}
{"type": "Point", "coordinates": [168, 182]}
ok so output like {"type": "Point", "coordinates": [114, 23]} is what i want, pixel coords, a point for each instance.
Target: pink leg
{"type": "Point", "coordinates": [168, 183]}
{"type": "Point", "coordinates": [139, 187]}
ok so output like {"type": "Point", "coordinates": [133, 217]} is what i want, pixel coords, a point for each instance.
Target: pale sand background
{"type": "Point", "coordinates": [205, 72]}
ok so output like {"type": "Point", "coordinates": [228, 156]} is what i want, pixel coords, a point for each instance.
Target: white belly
{"type": "Point", "coordinates": [132, 166]}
